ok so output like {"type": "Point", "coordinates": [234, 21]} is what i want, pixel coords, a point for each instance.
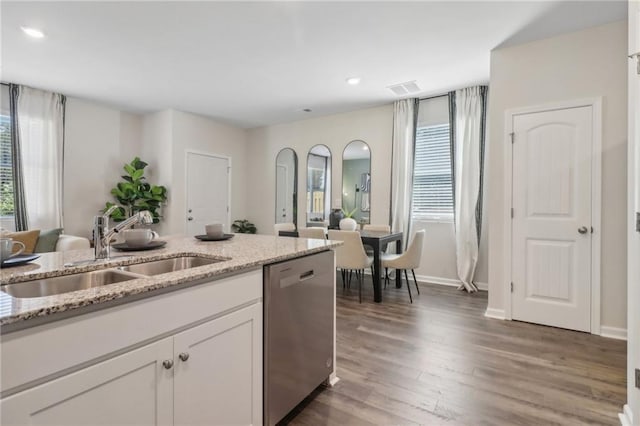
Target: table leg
{"type": "Point", "coordinates": [377, 288]}
{"type": "Point", "coordinates": [399, 271]}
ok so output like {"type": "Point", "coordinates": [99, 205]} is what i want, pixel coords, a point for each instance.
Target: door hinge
{"type": "Point", "coordinates": [511, 287]}
{"type": "Point", "coordinates": [512, 213]}
{"type": "Point", "coordinates": [513, 137]}
{"type": "Point", "coordinates": [227, 209]}
{"type": "Point", "coordinates": [228, 169]}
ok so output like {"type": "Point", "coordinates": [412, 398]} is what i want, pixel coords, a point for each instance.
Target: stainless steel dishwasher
{"type": "Point", "coordinates": [298, 331]}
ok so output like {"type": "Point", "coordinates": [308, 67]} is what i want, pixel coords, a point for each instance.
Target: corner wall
{"type": "Point", "coordinates": [584, 64]}
{"type": "Point", "coordinates": [98, 141]}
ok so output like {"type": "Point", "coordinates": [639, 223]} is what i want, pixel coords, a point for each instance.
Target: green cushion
{"type": "Point", "coordinates": [47, 241]}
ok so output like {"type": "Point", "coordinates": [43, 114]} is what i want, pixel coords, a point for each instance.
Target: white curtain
{"type": "Point", "coordinates": [404, 119]}
{"type": "Point", "coordinates": [468, 147]}
{"type": "Point", "coordinates": [40, 117]}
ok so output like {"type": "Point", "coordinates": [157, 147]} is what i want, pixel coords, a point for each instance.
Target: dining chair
{"type": "Point", "coordinates": [410, 259]}
{"type": "Point", "coordinates": [351, 257]}
{"type": "Point", "coordinates": [313, 232]}
{"type": "Point", "coordinates": [288, 226]}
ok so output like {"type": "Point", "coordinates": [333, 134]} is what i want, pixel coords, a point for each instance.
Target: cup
{"type": "Point", "coordinates": [6, 248]}
{"type": "Point", "coordinates": [214, 230]}
{"type": "Point", "coordinates": [139, 237]}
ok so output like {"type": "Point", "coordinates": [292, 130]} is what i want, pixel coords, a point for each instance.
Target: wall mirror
{"type": "Point", "coordinates": [318, 186]}
{"type": "Point", "coordinates": [356, 180]}
{"type": "Point", "coordinates": [287, 186]}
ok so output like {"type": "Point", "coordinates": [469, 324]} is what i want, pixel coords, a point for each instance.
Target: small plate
{"type": "Point", "coordinates": [18, 260]}
{"type": "Point", "coordinates": [128, 247]}
{"type": "Point", "coordinates": [208, 238]}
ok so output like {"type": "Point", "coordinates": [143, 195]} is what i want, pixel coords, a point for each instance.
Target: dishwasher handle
{"type": "Point", "coordinates": [296, 279]}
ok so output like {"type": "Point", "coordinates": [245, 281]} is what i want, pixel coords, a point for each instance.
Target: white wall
{"type": "Point", "coordinates": [374, 126]}
{"type": "Point", "coordinates": [98, 141]}
{"type": "Point", "coordinates": [583, 64]}
{"type": "Point", "coordinates": [157, 151]}
{"type": "Point", "coordinates": [167, 136]}
{"type": "Point", "coordinates": [336, 131]}
{"type": "Point", "coordinates": [633, 313]}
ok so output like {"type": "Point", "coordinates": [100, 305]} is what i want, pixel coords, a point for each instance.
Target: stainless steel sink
{"type": "Point", "coordinates": [163, 266]}
{"type": "Point", "coordinates": [85, 280]}
{"type": "Point", "coordinates": [67, 283]}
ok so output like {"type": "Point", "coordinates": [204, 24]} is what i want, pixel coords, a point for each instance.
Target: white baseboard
{"type": "Point", "coordinates": [482, 286]}
{"type": "Point", "coordinates": [451, 282]}
{"type": "Point", "coordinates": [495, 313]}
{"type": "Point", "coordinates": [626, 417]}
{"type": "Point", "coordinates": [613, 332]}
{"type": "Point", "coordinates": [438, 280]}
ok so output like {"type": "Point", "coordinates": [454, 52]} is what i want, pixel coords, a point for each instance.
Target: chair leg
{"type": "Point", "coordinates": [386, 277]}
{"type": "Point", "coordinates": [415, 281]}
{"type": "Point", "coordinates": [344, 281]}
{"type": "Point", "coordinates": [408, 285]}
{"type": "Point", "coordinates": [360, 286]}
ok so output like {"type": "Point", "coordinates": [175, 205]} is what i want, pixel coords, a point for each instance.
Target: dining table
{"type": "Point", "coordinates": [377, 240]}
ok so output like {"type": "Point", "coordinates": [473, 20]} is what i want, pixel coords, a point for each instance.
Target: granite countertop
{"type": "Point", "coordinates": [243, 252]}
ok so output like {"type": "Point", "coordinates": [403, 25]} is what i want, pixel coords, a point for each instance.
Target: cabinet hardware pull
{"type": "Point", "coordinates": [167, 363]}
{"type": "Point", "coordinates": [183, 356]}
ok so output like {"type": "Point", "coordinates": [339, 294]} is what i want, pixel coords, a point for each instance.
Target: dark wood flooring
{"type": "Point", "coordinates": [440, 361]}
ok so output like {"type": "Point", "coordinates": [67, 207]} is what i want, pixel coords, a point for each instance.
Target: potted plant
{"type": "Point", "coordinates": [243, 226]}
{"type": "Point", "coordinates": [348, 223]}
{"type": "Point", "coordinates": [136, 194]}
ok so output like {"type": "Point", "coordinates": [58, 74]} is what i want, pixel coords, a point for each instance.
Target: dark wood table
{"type": "Point", "coordinates": [376, 240]}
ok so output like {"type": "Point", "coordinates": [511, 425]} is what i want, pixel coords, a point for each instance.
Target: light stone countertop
{"type": "Point", "coordinates": [241, 253]}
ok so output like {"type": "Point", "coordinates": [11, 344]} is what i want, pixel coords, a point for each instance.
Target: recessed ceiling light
{"type": "Point", "coordinates": [32, 32]}
{"type": "Point", "coordinates": [353, 80]}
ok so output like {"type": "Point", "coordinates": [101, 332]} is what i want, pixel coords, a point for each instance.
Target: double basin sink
{"type": "Point", "coordinates": [86, 280]}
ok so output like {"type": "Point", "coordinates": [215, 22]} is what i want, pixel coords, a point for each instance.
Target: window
{"type": "Point", "coordinates": [6, 170]}
{"type": "Point", "coordinates": [432, 183]}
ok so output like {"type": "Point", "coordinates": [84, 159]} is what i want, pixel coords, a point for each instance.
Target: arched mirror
{"type": "Point", "coordinates": [287, 186]}
{"type": "Point", "coordinates": [356, 181]}
{"type": "Point", "coordinates": [318, 186]}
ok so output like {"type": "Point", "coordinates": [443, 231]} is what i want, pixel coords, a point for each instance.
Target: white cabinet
{"type": "Point", "coordinates": [210, 374]}
{"type": "Point", "coordinates": [218, 371]}
{"type": "Point", "coordinates": [192, 356]}
{"type": "Point", "coordinates": [133, 388]}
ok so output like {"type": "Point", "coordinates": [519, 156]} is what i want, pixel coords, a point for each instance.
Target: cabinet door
{"type": "Point", "coordinates": [132, 389]}
{"type": "Point", "coordinates": [220, 383]}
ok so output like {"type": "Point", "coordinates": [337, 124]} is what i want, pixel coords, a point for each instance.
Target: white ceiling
{"type": "Point", "coordinates": [259, 63]}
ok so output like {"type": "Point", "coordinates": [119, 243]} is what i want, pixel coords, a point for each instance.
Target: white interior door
{"type": "Point", "coordinates": [208, 180]}
{"type": "Point", "coordinates": [551, 247]}
{"type": "Point", "coordinates": [283, 211]}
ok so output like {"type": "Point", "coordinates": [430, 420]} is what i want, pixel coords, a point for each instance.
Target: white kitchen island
{"type": "Point", "coordinates": [182, 347]}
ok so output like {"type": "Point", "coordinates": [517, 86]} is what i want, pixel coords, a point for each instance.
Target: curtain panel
{"type": "Point", "coordinates": [405, 112]}
{"type": "Point", "coordinates": [467, 108]}
{"type": "Point", "coordinates": [19, 201]}
{"type": "Point", "coordinates": [39, 118]}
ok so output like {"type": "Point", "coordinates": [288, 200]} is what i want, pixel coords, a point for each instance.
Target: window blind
{"type": "Point", "coordinates": [6, 169]}
{"type": "Point", "coordinates": [432, 185]}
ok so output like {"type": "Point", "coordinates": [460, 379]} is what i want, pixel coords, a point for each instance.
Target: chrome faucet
{"type": "Point", "coordinates": [102, 235]}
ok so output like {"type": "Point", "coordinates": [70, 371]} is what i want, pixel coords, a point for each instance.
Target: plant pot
{"type": "Point", "coordinates": [348, 224]}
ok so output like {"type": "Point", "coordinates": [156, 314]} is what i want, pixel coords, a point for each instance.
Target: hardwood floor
{"type": "Point", "coordinates": [440, 361]}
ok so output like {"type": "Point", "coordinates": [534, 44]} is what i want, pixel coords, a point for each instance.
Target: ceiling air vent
{"type": "Point", "coordinates": [404, 88]}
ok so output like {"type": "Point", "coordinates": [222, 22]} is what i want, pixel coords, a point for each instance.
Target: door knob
{"type": "Point", "coordinates": [167, 363]}
{"type": "Point", "coordinates": [583, 230]}
{"type": "Point", "coordinates": [183, 356]}
{"type": "Point", "coordinates": [189, 218]}
{"type": "Point", "coordinates": [189, 211]}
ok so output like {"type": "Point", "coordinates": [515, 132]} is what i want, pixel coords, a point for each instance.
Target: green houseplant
{"type": "Point", "coordinates": [243, 226]}
{"type": "Point", "coordinates": [136, 194]}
